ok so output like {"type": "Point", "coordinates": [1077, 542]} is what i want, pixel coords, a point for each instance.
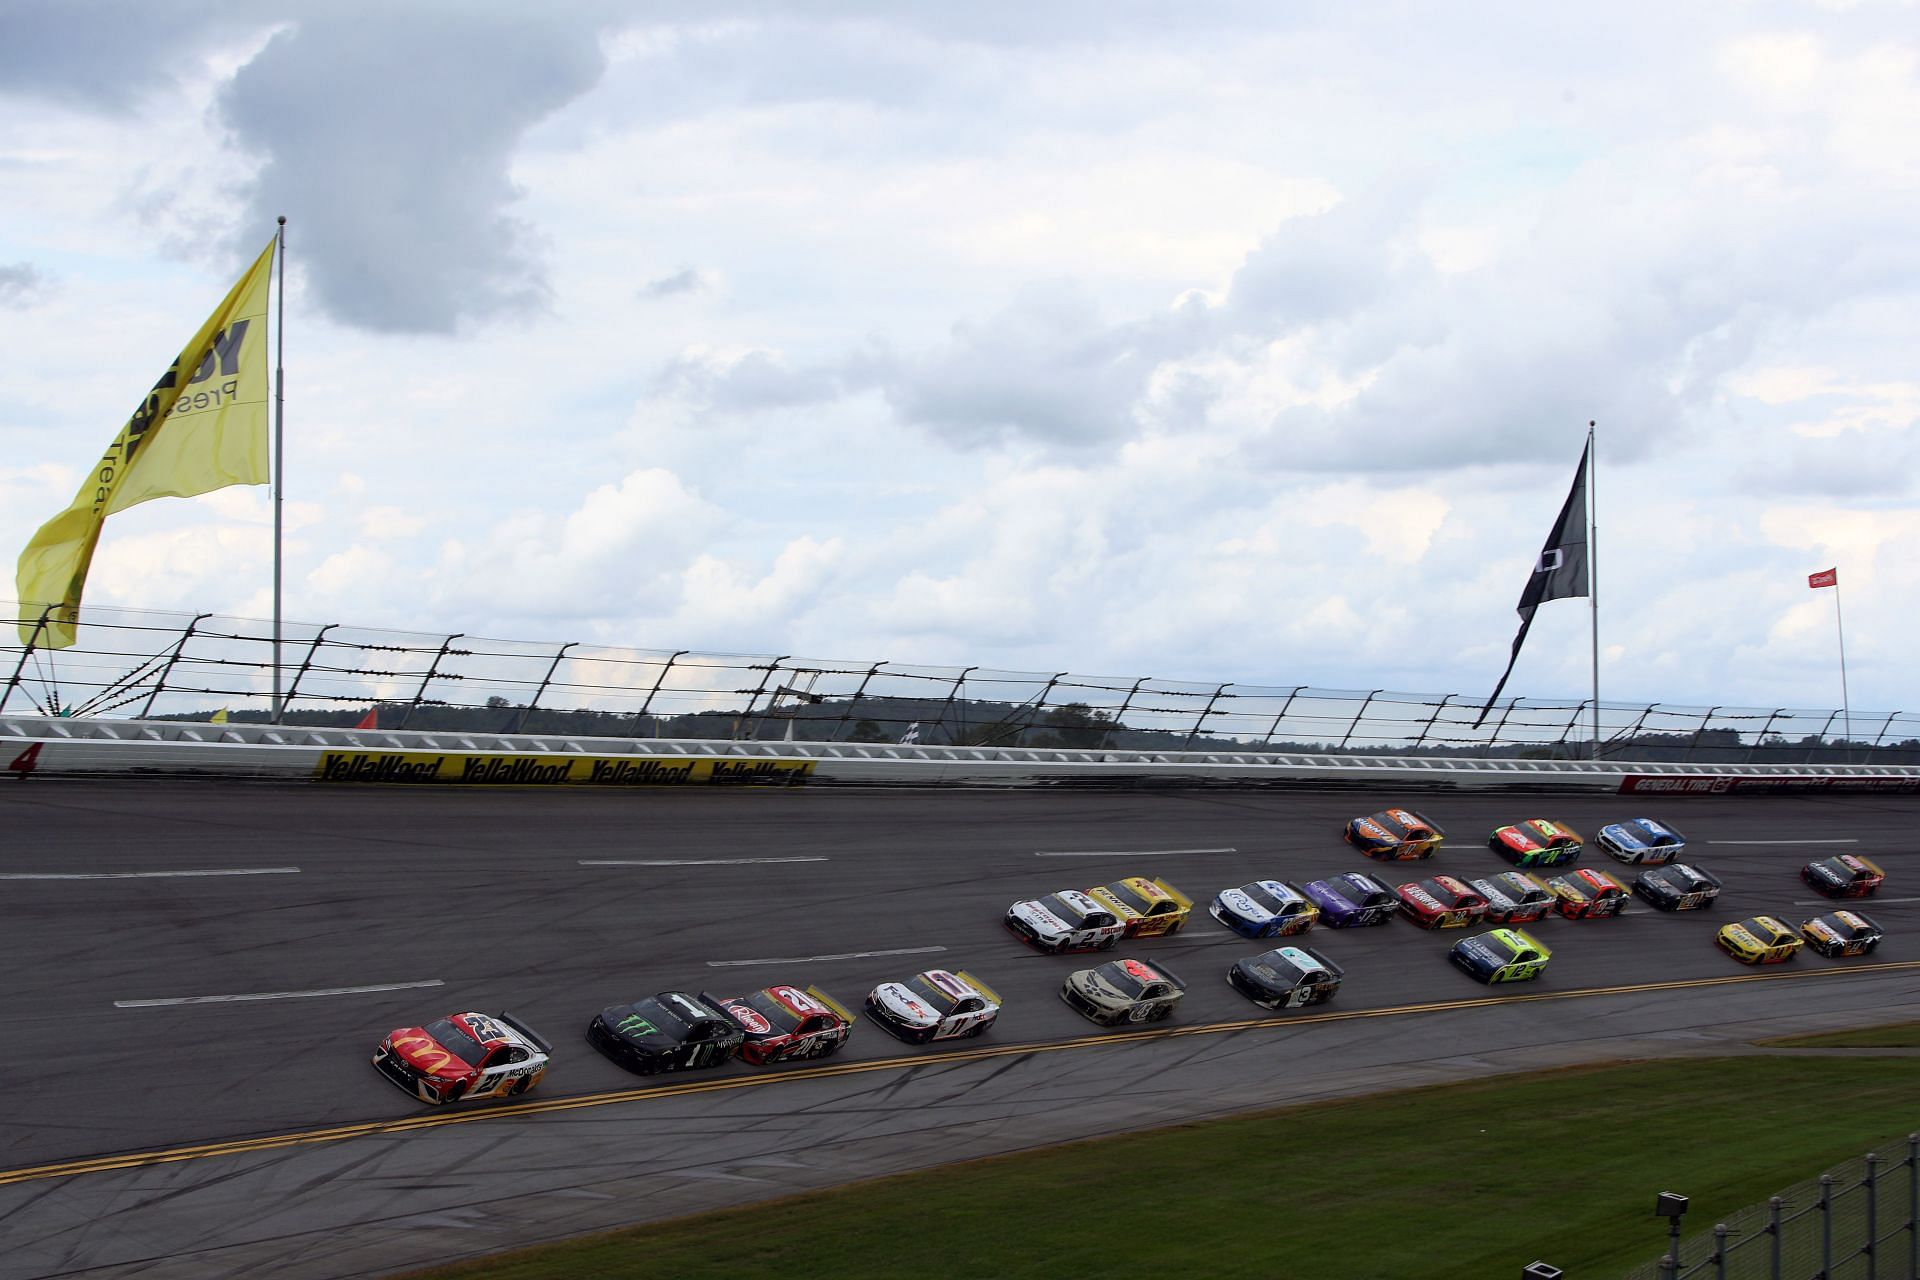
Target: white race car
{"type": "Point", "coordinates": [1642, 840]}
{"type": "Point", "coordinates": [1066, 921]}
{"type": "Point", "coordinates": [935, 1005]}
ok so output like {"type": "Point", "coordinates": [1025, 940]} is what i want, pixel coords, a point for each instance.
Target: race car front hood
{"type": "Point", "coordinates": [1089, 984]}
{"type": "Point", "coordinates": [1237, 903]}
{"type": "Point", "coordinates": [413, 1046]}
{"type": "Point", "coordinates": [903, 1006]}
{"type": "Point", "coordinates": [1043, 922]}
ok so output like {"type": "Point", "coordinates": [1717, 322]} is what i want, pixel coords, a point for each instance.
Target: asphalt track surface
{"type": "Point", "coordinates": [158, 1126]}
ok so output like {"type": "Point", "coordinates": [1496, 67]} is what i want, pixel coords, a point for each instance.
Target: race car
{"type": "Point", "coordinates": [1844, 933]}
{"type": "Point", "coordinates": [1761, 940]}
{"type": "Point", "coordinates": [1264, 909]}
{"type": "Point", "coordinates": [1514, 897]}
{"type": "Point", "coordinates": [1148, 908]}
{"type": "Point", "coordinates": [1642, 840]}
{"type": "Point", "coordinates": [1123, 991]}
{"type": "Point", "coordinates": [1286, 978]}
{"type": "Point", "coordinates": [1536, 843]}
{"type": "Point", "coordinates": [1065, 921]}
{"type": "Point", "coordinates": [784, 1023]}
{"type": "Point", "coordinates": [1502, 955]}
{"type": "Point", "coordinates": [1845, 876]}
{"type": "Point", "coordinates": [935, 1005]}
{"type": "Point", "coordinates": [1441, 902]}
{"type": "Point", "coordinates": [464, 1055]}
{"type": "Point", "coordinates": [670, 1031]}
{"type": "Point", "coordinates": [1396, 835]}
{"type": "Point", "coordinates": [1677, 887]}
{"type": "Point", "coordinates": [1351, 900]}
{"type": "Point", "coordinates": [1588, 895]}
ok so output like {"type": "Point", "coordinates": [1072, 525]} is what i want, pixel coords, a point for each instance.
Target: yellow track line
{"type": "Point", "coordinates": [435, 1120]}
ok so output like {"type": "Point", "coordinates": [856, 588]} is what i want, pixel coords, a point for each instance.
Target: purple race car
{"type": "Point", "coordinates": [1350, 900]}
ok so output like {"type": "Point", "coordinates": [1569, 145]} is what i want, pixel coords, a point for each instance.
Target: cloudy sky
{"type": "Point", "coordinates": [1247, 341]}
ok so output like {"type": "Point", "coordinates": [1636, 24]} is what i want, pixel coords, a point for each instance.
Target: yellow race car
{"type": "Point", "coordinates": [1760, 940]}
{"type": "Point", "coordinates": [1148, 908]}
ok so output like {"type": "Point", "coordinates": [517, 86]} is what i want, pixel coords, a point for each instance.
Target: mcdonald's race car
{"type": "Point", "coordinates": [935, 1005]}
{"type": "Point", "coordinates": [1844, 933]}
{"type": "Point", "coordinates": [464, 1055]}
{"type": "Point", "coordinates": [1148, 908]}
{"type": "Point", "coordinates": [1503, 955]}
{"type": "Point", "coordinates": [1676, 886]}
{"type": "Point", "coordinates": [1761, 940]}
{"type": "Point", "coordinates": [670, 1031]}
{"type": "Point", "coordinates": [1588, 895]}
{"type": "Point", "coordinates": [1847, 876]}
{"type": "Point", "coordinates": [1441, 902]}
{"type": "Point", "coordinates": [1514, 897]}
{"type": "Point", "coordinates": [1066, 921]}
{"type": "Point", "coordinates": [1286, 978]}
{"type": "Point", "coordinates": [1264, 909]}
{"type": "Point", "coordinates": [1536, 843]}
{"type": "Point", "coordinates": [1123, 991]}
{"type": "Point", "coordinates": [1352, 900]}
{"type": "Point", "coordinates": [784, 1023]}
{"type": "Point", "coordinates": [1396, 835]}
{"type": "Point", "coordinates": [1642, 840]}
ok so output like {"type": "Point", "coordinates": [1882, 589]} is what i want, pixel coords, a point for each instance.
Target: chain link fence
{"type": "Point", "coordinates": [141, 664]}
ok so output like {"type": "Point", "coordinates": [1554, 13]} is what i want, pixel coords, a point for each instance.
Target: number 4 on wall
{"type": "Point", "coordinates": [25, 763]}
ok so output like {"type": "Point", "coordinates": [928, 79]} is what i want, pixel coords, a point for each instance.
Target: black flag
{"type": "Point", "coordinates": [1560, 572]}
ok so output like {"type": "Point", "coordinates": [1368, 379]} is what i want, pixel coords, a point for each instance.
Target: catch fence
{"type": "Point", "coordinates": [141, 664]}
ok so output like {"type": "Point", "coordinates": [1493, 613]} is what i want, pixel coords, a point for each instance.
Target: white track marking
{"type": "Point", "coordinates": [1841, 841]}
{"type": "Point", "coordinates": [276, 995]}
{"type": "Point", "coordinates": [1848, 904]}
{"type": "Point", "coordinates": [844, 955]}
{"type": "Point", "coordinates": [1126, 853]}
{"type": "Point", "coordinates": [146, 875]}
{"type": "Point", "coordinates": [687, 862]}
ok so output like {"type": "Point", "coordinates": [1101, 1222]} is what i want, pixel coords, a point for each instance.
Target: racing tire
{"type": "Point", "coordinates": [1159, 1013]}
{"type": "Point", "coordinates": [1108, 945]}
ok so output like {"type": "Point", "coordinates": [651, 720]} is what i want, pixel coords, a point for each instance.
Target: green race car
{"type": "Point", "coordinates": [1501, 955]}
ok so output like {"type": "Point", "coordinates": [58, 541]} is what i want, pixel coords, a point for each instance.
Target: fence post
{"type": "Point", "coordinates": [45, 615]}
{"type": "Point", "coordinates": [1039, 706]}
{"type": "Point", "coordinates": [1767, 728]}
{"type": "Point", "coordinates": [1284, 708]}
{"type": "Point", "coordinates": [959, 682]}
{"type": "Point", "coordinates": [1826, 1226]}
{"type": "Point", "coordinates": [1873, 1215]}
{"type": "Point", "coordinates": [1494, 741]}
{"type": "Point", "coordinates": [1720, 1250]}
{"type": "Point", "coordinates": [313, 650]}
{"type": "Point", "coordinates": [1119, 719]}
{"type": "Point", "coordinates": [659, 680]}
{"type": "Point", "coordinates": [1204, 713]}
{"type": "Point", "coordinates": [1883, 728]}
{"type": "Point", "coordinates": [1356, 719]}
{"type": "Point", "coordinates": [1822, 740]}
{"type": "Point", "coordinates": [1578, 711]}
{"type": "Point", "coordinates": [853, 704]}
{"type": "Point", "coordinates": [1434, 716]}
{"type": "Point", "coordinates": [160, 681]}
{"type": "Point", "coordinates": [433, 669]}
{"type": "Point", "coordinates": [1774, 1205]}
{"type": "Point", "coordinates": [1698, 733]}
{"type": "Point", "coordinates": [521, 725]}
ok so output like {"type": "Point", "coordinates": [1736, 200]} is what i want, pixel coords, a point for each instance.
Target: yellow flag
{"type": "Point", "coordinates": [202, 427]}
{"type": "Point", "coordinates": [218, 717]}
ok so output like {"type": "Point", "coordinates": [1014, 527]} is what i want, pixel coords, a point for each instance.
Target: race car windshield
{"type": "Point", "coordinates": [782, 1018]}
{"type": "Point", "coordinates": [1065, 910]}
{"type": "Point", "coordinates": [934, 996]}
{"type": "Point", "coordinates": [1120, 980]}
{"type": "Point", "coordinates": [456, 1041]}
{"type": "Point", "coordinates": [1263, 899]}
{"type": "Point", "coordinates": [1277, 968]}
{"type": "Point", "coordinates": [1126, 896]}
{"type": "Point", "coordinates": [664, 1020]}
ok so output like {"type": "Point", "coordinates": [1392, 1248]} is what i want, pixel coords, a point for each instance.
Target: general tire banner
{"type": "Point", "coordinates": [444, 769]}
{"type": "Point", "coordinates": [1668, 784]}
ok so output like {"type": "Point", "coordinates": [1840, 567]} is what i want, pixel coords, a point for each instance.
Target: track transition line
{"type": "Point", "coordinates": [278, 1142]}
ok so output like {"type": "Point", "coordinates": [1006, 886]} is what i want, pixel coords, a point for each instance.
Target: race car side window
{"type": "Point", "coordinates": [971, 1004]}
{"type": "Point", "coordinates": [1162, 908]}
{"type": "Point", "coordinates": [811, 1025]}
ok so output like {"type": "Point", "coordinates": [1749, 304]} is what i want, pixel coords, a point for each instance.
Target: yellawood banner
{"type": "Point", "coordinates": [425, 767]}
{"type": "Point", "coordinates": [202, 427]}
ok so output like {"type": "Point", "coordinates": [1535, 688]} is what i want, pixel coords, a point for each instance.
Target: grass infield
{"type": "Point", "coordinates": [1468, 1181]}
{"type": "Point", "coordinates": [1896, 1035]}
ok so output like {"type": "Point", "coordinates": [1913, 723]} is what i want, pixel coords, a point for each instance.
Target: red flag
{"type": "Point", "coordinates": [1824, 578]}
{"type": "Point", "coordinates": [371, 720]}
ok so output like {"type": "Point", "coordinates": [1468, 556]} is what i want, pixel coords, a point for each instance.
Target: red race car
{"type": "Point", "coordinates": [464, 1055]}
{"type": "Point", "coordinates": [1846, 876]}
{"type": "Point", "coordinates": [783, 1023]}
{"type": "Point", "coordinates": [1536, 843]}
{"type": "Point", "coordinates": [1588, 895]}
{"type": "Point", "coordinates": [1441, 903]}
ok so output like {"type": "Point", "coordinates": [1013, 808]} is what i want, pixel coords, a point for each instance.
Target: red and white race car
{"type": "Point", "coordinates": [1442, 902]}
{"type": "Point", "coordinates": [783, 1023]}
{"type": "Point", "coordinates": [1588, 895]}
{"type": "Point", "coordinates": [464, 1055]}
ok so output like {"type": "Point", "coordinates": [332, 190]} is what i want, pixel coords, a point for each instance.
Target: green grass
{"type": "Point", "coordinates": [1464, 1181]}
{"type": "Point", "coordinates": [1897, 1035]}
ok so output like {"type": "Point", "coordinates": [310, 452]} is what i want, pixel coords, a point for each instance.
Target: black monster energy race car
{"type": "Point", "coordinates": [670, 1031]}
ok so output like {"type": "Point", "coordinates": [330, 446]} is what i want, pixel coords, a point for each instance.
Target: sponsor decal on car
{"type": "Point", "coordinates": [410, 767]}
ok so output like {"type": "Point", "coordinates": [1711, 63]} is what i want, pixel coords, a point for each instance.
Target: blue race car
{"type": "Point", "coordinates": [1264, 909]}
{"type": "Point", "coordinates": [1352, 900]}
{"type": "Point", "coordinates": [1642, 840]}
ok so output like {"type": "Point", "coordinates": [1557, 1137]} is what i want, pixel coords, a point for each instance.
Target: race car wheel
{"type": "Point", "coordinates": [1158, 1012]}
{"type": "Point", "coordinates": [1109, 944]}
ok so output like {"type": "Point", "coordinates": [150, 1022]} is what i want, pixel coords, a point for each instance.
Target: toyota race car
{"type": "Point", "coordinates": [1847, 876]}
{"type": "Point", "coordinates": [1504, 955]}
{"type": "Point", "coordinates": [1514, 897]}
{"type": "Point", "coordinates": [1396, 835]}
{"type": "Point", "coordinates": [1536, 843]}
{"type": "Point", "coordinates": [1123, 991]}
{"type": "Point", "coordinates": [464, 1055]}
{"type": "Point", "coordinates": [1761, 940]}
{"type": "Point", "coordinates": [670, 1031]}
{"type": "Point", "coordinates": [1065, 921]}
{"type": "Point", "coordinates": [935, 1005]}
{"type": "Point", "coordinates": [1148, 908]}
{"type": "Point", "coordinates": [783, 1023]}
{"type": "Point", "coordinates": [1642, 840]}
{"type": "Point", "coordinates": [1351, 900]}
{"type": "Point", "coordinates": [1588, 895]}
{"type": "Point", "coordinates": [1264, 909]}
{"type": "Point", "coordinates": [1286, 978]}
{"type": "Point", "coordinates": [1441, 902]}
{"type": "Point", "coordinates": [1844, 933]}
{"type": "Point", "coordinates": [1677, 886]}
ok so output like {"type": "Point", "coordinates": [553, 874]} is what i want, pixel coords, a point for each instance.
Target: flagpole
{"type": "Point", "coordinates": [1593, 578]}
{"type": "Point", "coordinates": [279, 453]}
{"type": "Point", "coordinates": [1846, 709]}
